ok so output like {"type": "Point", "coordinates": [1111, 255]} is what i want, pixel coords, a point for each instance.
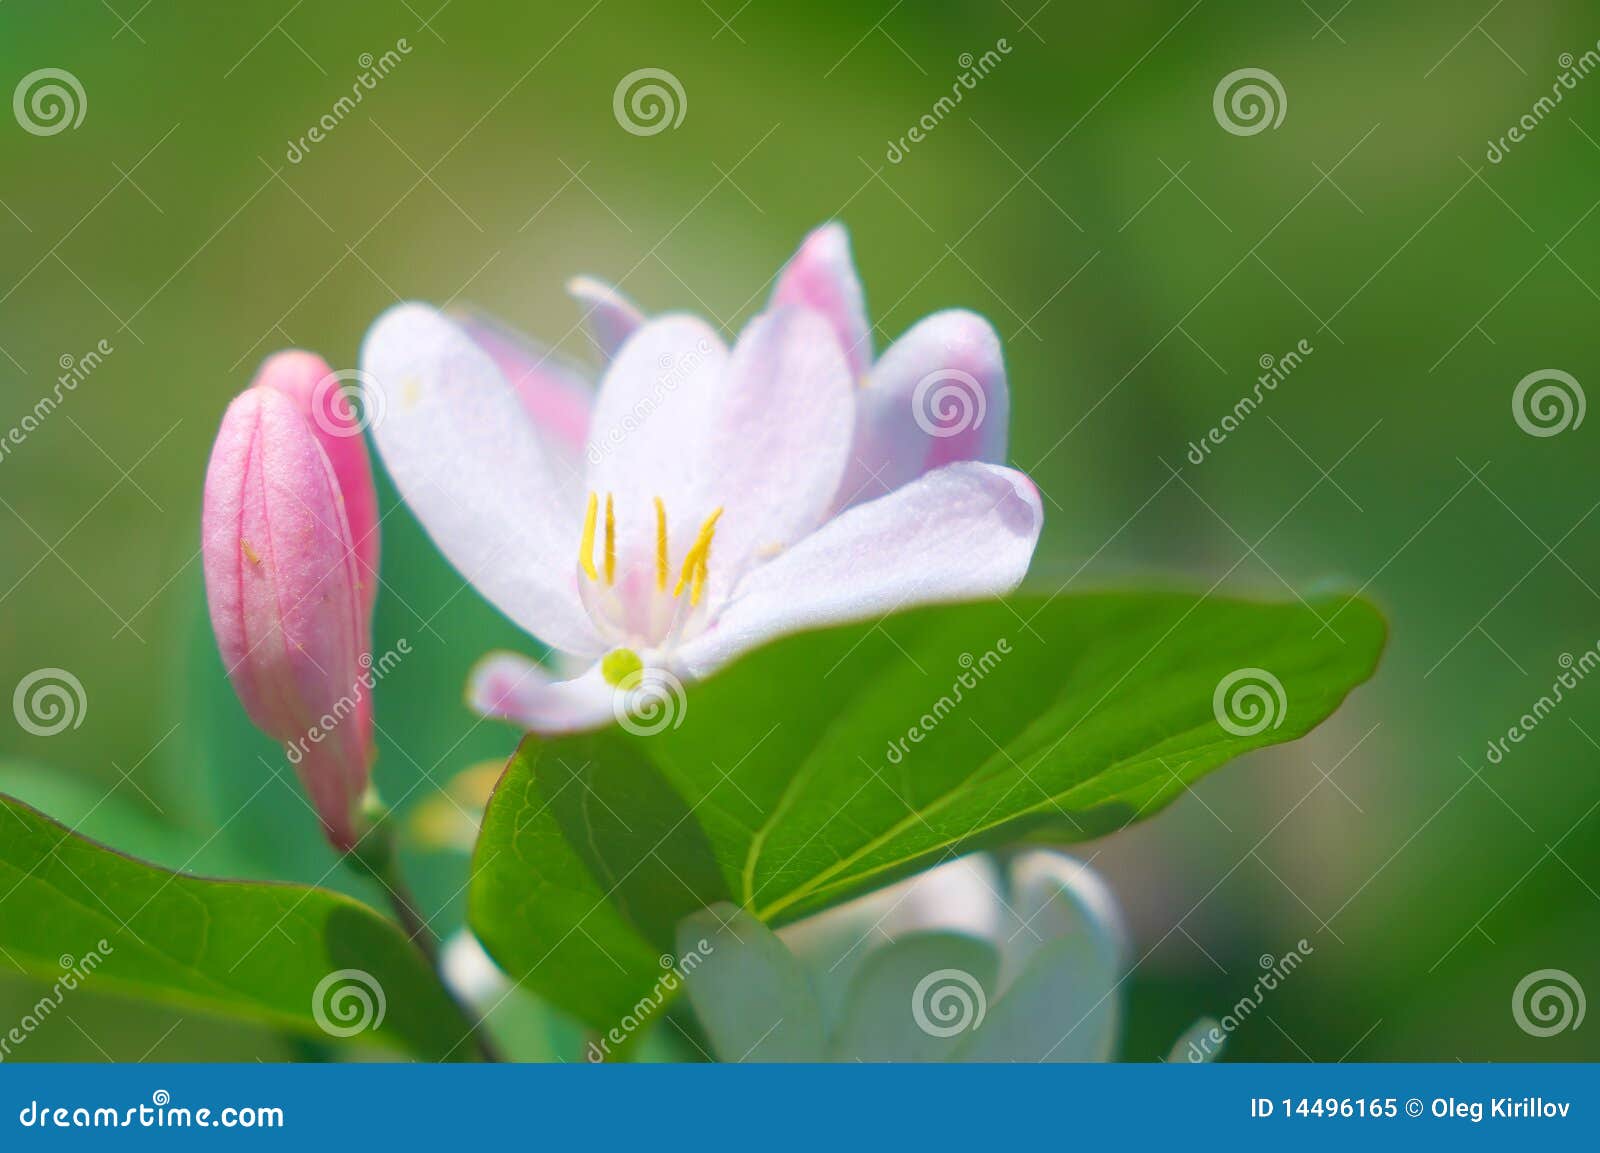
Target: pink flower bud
{"type": "Point", "coordinates": [284, 583]}
{"type": "Point", "coordinates": [320, 396]}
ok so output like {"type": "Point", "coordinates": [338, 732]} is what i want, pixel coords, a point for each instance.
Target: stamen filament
{"type": "Point", "coordinates": [611, 542]}
{"type": "Point", "coordinates": [661, 546]}
{"type": "Point", "coordinates": [695, 560]}
{"type": "Point", "coordinates": [586, 544]}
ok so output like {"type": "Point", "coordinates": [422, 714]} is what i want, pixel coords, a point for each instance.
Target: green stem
{"type": "Point", "coordinates": [377, 857]}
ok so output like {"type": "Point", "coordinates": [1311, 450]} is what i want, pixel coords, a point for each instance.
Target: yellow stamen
{"type": "Point", "coordinates": [661, 545]}
{"type": "Point", "coordinates": [586, 545]}
{"type": "Point", "coordinates": [611, 542]}
{"type": "Point", "coordinates": [694, 561]}
{"type": "Point", "coordinates": [701, 572]}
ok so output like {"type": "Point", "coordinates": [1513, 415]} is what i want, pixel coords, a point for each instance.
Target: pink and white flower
{"type": "Point", "coordinates": [703, 499]}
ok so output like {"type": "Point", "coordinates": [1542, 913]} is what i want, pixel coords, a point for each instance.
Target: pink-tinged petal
{"type": "Point", "coordinates": [937, 396]}
{"type": "Point", "coordinates": [512, 688]}
{"type": "Point", "coordinates": [609, 316]}
{"type": "Point", "coordinates": [822, 276]}
{"type": "Point", "coordinates": [779, 440]}
{"type": "Point", "coordinates": [472, 469]}
{"type": "Point", "coordinates": [649, 437]}
{"type": "Point", "coordinates": [964, 532]}
{"type": "Point", "coordinates": [319, 394]}
{"type": "Point", "coordinates": [556, 394]}
{"type": "Point", "coordinates": [282, 584]}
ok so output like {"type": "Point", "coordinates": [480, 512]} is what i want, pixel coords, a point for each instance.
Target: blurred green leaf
{"type": "Point", "coordinates": [835, 762]}
{"type": "Point", "coordinates": [302, 959]}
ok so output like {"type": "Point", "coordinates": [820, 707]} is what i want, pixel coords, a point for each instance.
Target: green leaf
{"type": "Point", "coordinates": [72, 907]}
{"type": "Point", "coordinates": [834, 762]}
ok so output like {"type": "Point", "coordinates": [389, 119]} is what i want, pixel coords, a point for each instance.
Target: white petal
{"type": "Point", "coordinates": [964, 532]}
{"type": "Point", "coordinates": [918, 999]}
{"type": "Point", "coordinates": [749, 992]}
{"type": "Point", "coordinates": [1064, 1007]}
{"type": "Point", "coordinates": [652, 422]}
{"type": "Point", "coordinates": [470, 973]}
{"type": "Point", "coordinates": [937, 396]}
{"type": "Point", "coordinates": [454, 437]}
{"type": "Point", "coordinates": [609, 316]}
{"type": "Point", "coordinates": [513, 688]}
{"type": "Point", "coordinates": [1060, 896]}
{"type": "Point", "coordinates": [1200, 1044]}
{"type": "Point", "coordinates": [822, 276]}
{"type": "Point", "coordinates": [779, 440]}
{"type": "Point", "coordinates": [555, 394]}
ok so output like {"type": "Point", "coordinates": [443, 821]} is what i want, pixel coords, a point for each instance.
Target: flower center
{"type": "Point", "coordinates": [629, 606]}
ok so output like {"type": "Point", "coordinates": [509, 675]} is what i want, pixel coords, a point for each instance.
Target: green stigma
{"type": "Point", "coordinates": [621, 668]}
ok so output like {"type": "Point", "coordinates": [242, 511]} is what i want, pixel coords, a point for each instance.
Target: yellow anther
{"type": "Point", "coordinates": [701, 572]}
{"type": "Point", "coordinates": [611, 542]}
{"type": "Point", "coordinates": [695, 560]}
{"type": "Point", "coordinates": [586, 545]}
{"type": "Point", "coordinates": [661, 545]}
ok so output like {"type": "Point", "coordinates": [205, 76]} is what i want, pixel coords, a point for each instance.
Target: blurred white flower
{"type": "Point", "coordinates": [1020, 958]}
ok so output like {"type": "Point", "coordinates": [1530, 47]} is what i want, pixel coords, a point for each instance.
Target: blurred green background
{"type": "Point", "coordinates": [1138, 261]}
